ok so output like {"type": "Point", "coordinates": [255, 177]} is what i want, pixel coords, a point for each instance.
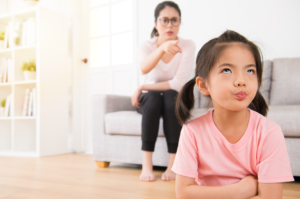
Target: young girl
{"type": "Point", "coordinates": [233, 151]}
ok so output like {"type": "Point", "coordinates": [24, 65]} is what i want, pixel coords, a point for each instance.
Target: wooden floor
{"type": "Point", "coordinates": [76, 176]}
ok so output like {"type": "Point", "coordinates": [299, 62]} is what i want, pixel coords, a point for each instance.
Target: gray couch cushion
{"type": "Point", "coordinates": [266, 80]}
{"type": "Point", "coordinates": [126, 123]}
{"type": "Point", "coordinates": [130, 122]}
{"type": "Point", "coordinates": [285, 84]}
{"type": "Point", "coordinates": [287, 117]}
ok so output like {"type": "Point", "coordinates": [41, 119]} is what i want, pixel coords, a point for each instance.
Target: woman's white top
{"type": "Point", "coordinates": [177, 71]}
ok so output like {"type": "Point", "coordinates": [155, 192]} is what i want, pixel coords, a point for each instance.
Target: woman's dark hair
{"type": "Point", "coordinates": [206, 58]}
{"type": "Point", "coordinates": [160, 7]}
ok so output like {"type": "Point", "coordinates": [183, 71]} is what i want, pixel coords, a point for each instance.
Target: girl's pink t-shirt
{"type": "Point", "coordinates": [206, 155]}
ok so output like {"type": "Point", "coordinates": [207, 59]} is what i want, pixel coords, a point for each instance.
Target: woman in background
{"type": "Point", "coordinates": [167, 62]}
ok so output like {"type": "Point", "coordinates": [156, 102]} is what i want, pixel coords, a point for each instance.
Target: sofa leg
{"type": "Point", "coordinates": [102, 164]}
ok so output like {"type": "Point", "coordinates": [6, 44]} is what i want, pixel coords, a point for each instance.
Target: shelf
{"type": "Point", "coordinates": [6, 53]}
{"type": "Point", "coordinates": [25, 118]}
{"type": "Point", "coordinates": [23, 55]}
{"type": "Point", "coordinates": [18, 154]}
{"type": "Point", "coordinates": [46, 133]}
{"type": "Point", "coordinates": [18, 118]}
{"type": "Point", "coordinates": [5, 118]}
{"type": "Point", "coordinates": [6, 84]}
{"type": "Point", "coordinates": [8, 50]}
{"type": "Point", "coordinates": [8, 15]}
{"type": "Point", "coordinates": [25, 47]}
{"type": "Point", "coordinates": [25, 82]}
{"type": "Point", "coordinates": [4, 92]}
{"type": "Point", "coordinates": [19, 93]}
{"type": "Point", "coordinates": [5, 50]}
{"type": "Point", "coordinates": [25, 136]}
{"type": "Point", "coordinates": [5, 135]}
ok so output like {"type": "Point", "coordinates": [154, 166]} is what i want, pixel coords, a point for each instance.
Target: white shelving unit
{"type": "Point", "coordinates": [46, 133]}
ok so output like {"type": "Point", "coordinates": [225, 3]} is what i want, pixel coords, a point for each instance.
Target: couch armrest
{"type": "Point", "coordinates": [112, 103]}
{"type": "Point", "coordinates": [102, 104]}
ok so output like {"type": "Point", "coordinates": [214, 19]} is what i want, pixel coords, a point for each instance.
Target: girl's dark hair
{"type": "Point", "coordinates": [206, 58]}
{"type": "Point", "coordinates": [160, 7]}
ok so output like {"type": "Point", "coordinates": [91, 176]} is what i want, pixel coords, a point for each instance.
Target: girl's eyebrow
{"type": "Point", "coordinates": [233, 66]}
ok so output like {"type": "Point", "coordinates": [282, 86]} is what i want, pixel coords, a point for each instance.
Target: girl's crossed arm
{"type": "Point", "coordinates": [186, 188]}
{"type": "Point", "coordinates": [269, 190]}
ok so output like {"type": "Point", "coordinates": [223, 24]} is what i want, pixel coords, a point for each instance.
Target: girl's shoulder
{"type": "Point", "coordinates": [199, 121]}
{"type": "Point", "coordinates": [265, 126]}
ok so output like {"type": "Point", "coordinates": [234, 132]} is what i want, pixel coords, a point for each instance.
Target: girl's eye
{"type": "Point", "coordinates": [226, 71]}
{"type": "Point", "coordinates": [251, 71]}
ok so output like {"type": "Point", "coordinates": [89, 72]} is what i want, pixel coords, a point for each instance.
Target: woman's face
{"type": "Point", "coordinates": [166, 30]}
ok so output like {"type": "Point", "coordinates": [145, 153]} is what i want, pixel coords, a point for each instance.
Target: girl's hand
{"type": "Point", "coordinates": [171, 47]}
{"type": "Point", "coordinates": [249, 186]}
{"type": "Point", "coordinates": [135, 97]}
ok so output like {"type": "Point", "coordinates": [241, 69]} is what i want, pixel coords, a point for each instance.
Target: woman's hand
{"type": "Point", "coordinates": [136, 96]}
{"type": "Point", "coordinates": [248, 186]}
{"type": "Point", "coordinates": [171, 47]}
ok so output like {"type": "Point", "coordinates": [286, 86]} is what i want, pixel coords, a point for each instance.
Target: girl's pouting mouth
{"type": "Point", "coordinates": [241, 95]}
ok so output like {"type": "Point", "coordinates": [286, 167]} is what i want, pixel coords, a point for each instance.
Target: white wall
{"type": "Point", "coordinates": [272, 24]}
{"type": "Point", "coordinates": [72, 9]}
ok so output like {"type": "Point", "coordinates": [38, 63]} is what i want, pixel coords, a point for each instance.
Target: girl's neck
{"type": "Point", "coordinates": [230, 117]}
{"type": "Point", "coordinates": [232, 124]}
{"type": "Point", "coordinates": [160, 40]}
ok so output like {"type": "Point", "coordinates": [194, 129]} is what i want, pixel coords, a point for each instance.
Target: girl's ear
{"type": "Point", "coordinates": [202, 86]}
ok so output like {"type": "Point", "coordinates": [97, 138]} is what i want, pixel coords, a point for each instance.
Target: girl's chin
{"type": "Point", "coordinates": [235, 107]}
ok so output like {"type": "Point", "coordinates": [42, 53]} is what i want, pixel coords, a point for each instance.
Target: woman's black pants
{"type": "Point", "coordinates": [153, 105]}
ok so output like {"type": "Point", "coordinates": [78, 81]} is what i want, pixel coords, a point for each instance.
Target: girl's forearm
{"type": "Point", "coordinates": [160, 86]}
{"type": "Point", "coordinates": [225, 192]}
{"type": "Point", "coordinates": [151, 60]}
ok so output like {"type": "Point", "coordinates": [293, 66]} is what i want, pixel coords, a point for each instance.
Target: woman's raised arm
{"type": "Point", "coordinates": [150, 61]}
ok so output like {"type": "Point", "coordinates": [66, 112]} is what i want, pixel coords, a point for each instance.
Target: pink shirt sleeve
{"type": "Point", "coordinates": [273, 161]}
{"type": "Point", "coordinates": [185, 67]}
{"type": "Point", "coordinates": [186, 160]}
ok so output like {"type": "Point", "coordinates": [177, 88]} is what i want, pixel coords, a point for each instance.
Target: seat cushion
{"type": "Point", "coordinates": [130, 122]}
{"type": "Point", "coordinates": [287, 117]}
{"type": "Point", "coordinates": [285, 84]}
{"type": "Point", "coordinates": [126, 123]}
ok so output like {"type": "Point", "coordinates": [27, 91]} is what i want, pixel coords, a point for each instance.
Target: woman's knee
{"type": "Point", "coordinates": [170, 97]}
{"type": "Point", "coordinates": [154, 100]}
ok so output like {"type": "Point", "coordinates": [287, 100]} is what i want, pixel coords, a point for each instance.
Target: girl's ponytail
{"type": "Point", "coordinates": [185, 102]}
{"type": "Point", "coordinates": [259, 104]}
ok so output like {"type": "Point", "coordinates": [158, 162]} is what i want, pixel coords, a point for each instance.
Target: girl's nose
{"type": "Point", "coordinates": [240, 83]}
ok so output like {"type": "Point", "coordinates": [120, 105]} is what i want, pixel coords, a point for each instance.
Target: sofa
{"type": "Point", "coordinates": [116, 126]}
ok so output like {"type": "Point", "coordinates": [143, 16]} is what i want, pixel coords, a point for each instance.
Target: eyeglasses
{"type": "Point", "coordinates": [165, 21]}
